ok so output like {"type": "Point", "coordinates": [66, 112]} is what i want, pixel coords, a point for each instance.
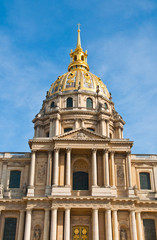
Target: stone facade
{"type": "Point", "coordinates": [80, 180]}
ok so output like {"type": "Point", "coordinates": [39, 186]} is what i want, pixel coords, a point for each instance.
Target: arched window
{"type": "Point", "coordinates": [82, 58]}
{"type": "Point", "coordinates": [145, 180]}
{"type": "Point", "coordinates": [53, 105]}
{"type": "Point", "coordinates": [105, 106]}
{"type": "Point", "coordinates": [15, 179]}
{"type": "Point", "coordinates": [69, 102]}
{"type": "Point", "coordinates": [80, 180]}
{"type": "Point", "coordinates": [149, 229]}
{"type": "Point", "coordinates": [75, 58]}
{"type": "Point", "coordinates": [9, 229]}
{"type": "Point", "coordinates": [89, 103]}
{"type": "Point", "coordinates": [67, 130]}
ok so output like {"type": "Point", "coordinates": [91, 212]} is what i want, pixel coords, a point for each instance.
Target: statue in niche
{"type": "Point", "coordinates": [123, 234]}
{"type": "Point", "coordinates": [41, 173]}
{"type": "Point", "coordinates": [37, 233]}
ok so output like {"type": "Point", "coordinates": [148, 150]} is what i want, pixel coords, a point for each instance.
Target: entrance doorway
{"type": "Point", "coordinates": [80, 233]}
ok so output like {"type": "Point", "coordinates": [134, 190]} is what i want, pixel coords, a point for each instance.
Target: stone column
{"type": "Point", "coordinates": [51, 128]}
{"type": "Point", "coordinates": [38, 131]}
{"type": "Point", "coordinates": [128, 165]}
{"type": "Point", "coordinates": [133, 225]}
{"type": "Point", "coordinates": [108, 224]}
{"type": "Point", "coordinates": [53, 234]}
{"type": "Point", "coordinates": [21, 225]}
{"type": "Point", "coordinates": [67, 224]}
{"type": "Point", "coordinates": [113, 182]}
{"type": "Point", "coordinates": [27, 235]}
{"type": "Point", "coordinates": [119, 132]}
{"type": "Point", "coordinates": [106, 168]}
{"type": "Point", "coordinates": [46, 224]}
{"type": "Point", "coordinates": [94, 168]}
{"type": "Point", "coordinates": [139, 226]}
{"type": "Point", "coordinates": [115, 225]}
{"type": "Point", "coordinates": [107, 128]}
{"type": "Point", "coordinates": [76, 124]}
{"type": "Point", "coordinates": [82, 123]}
{"type": "Point", "coordinates": [30, 192]}
{"type": "Point", "coordinates": [95, 225]}
{"type": "Point", "coordinates": [57, 125]}
{"type": "Point", "coordinates": [55, 168]}
{"type": "Point", "coordinates": [103, 127]}
{"type": "Point", "coordinates": [49, 169]}
{"type": "Point", "coordinates": [32, 169]}
{"type": "Point", "coordinates": [68, 167]}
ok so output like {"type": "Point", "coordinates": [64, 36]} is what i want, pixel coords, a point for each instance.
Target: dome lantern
{"type": "Point", "coordinates": [78, 58]}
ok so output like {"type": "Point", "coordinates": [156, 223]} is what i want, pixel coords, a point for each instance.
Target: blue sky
{"type": "Point", "coordinates": [35, 42]}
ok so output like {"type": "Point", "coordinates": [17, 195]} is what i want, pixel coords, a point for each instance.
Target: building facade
{"type": "Point", "coordinates": [80, 180]}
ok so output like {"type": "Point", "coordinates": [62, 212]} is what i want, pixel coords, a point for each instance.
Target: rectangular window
{"type": "Point", "coordinates": [9, 229]}
{"type": "Point", "coordinates": [149, 229]}
{"type": "Point", "coordinates": [145, 180]}
{"type": "Point", "coordinates": [15, 179]}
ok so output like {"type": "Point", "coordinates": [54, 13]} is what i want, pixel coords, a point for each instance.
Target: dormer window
{"type": "Point", "coordinates": [105, 106]}
{"type": "Point", "coordinates": [89, 103]}
{"type": "Point", "coordinates": [53, 105]}
{"type": "Point", "coordinates": [69, 102]}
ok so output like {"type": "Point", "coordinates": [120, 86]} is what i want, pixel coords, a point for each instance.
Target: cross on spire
{"type": "Point", "coordinates": [78, 26]}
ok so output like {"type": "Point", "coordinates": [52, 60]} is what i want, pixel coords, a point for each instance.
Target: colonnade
{"type": "Point", "coordinates": [112, 230]}
{"type": "Point", "coordinates": [109, 179]}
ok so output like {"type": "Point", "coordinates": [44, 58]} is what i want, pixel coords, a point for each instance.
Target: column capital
{"type": "Point", "coordinates": [68, 149]}
{"type": "Point", "coordinates": [54, 208]}
{"type": "Point", "coordinates": [29, 209]}
{"type": "Point", "coordinates": [50, 151]}
{"type": "Point", "coordinates": [132, 210]}
{"type": "Point", "coordinates": [67, 208]}
{"type": "Point", "coordinates": [128, 153]}
{"type": "Point", "coordinates": [111, 152]}
{"type": "Point", "coordinates": [94, 149]}
{"type": "Point", "coordinates": [22, 211]}
{"type": "Point", "coordinates": [33, 151]}
{"type": "Point", "coordinates": [105, 150]}
{"type": "Point", "coordinates": [56, 149]}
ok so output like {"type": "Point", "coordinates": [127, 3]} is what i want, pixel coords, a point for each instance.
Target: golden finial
{"type": "Point", "coordinates": [78, 37]}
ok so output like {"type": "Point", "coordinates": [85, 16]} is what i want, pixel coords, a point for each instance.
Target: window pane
{"type": "Point", "coordinates": [89, 103]}
{"type": "Point", "coordinates": [145, 181]}
{"type": "Point", "coordinates": [52, 105]}
{"type": "Point", "coordinates": [80, 181]}
{"type": "Point", "coordinates": [67, 130]}
{"type": "Point", "coordinates": [69, 102]}
{"type": "Point", "coordinates": [14, 179]}
{"type": "Point", "coordinates": [9, 229]}
{"type": "Point", "coordinates": [149, 229]}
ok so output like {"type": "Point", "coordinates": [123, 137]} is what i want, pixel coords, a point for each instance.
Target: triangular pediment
{"type": "Point", "coordinates": [81, 134]}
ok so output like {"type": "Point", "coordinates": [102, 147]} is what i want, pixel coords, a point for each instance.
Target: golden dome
{"type": "Point", "coordinates": [79, 79]}
{"type": "Point", "coordinates": [78, 76]}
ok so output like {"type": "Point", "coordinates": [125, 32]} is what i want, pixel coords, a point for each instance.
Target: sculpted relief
{"type": "Point", "coordinates": [120, 175]}
{"type": "Point", "coordinates": [41, 172]}
{"type": "Point", "coordinates": [123, 234]}
{"type": "Point", "coordinates": [37, 233]}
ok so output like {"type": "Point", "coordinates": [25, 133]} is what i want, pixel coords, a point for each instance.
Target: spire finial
{"type": "Point", "coordinates": [78, 36]}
